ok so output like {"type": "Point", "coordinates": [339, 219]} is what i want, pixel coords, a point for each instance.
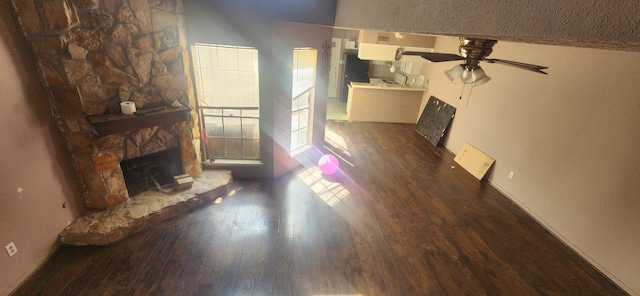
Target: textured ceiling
{"type": "Point", "coordinates": [598, 24]}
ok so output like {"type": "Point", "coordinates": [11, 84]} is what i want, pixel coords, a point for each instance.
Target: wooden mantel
{"type": "Point", "coordinates": [109, 124]}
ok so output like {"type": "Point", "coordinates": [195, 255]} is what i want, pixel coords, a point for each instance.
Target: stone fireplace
{"type": "Point", "coordinates": [94, 54]}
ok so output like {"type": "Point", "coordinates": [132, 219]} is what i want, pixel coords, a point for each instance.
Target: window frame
{"type": "Point", "coordinates": [204, 106]}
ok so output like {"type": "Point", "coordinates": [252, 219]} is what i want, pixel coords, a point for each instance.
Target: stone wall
{"type": "Point", "coordinates": [94, 54]}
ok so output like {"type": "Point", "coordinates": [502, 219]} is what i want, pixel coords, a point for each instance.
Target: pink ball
{"type": "Point", "coordinates": [328, 164]}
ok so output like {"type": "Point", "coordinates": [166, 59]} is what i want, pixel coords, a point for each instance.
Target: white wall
{"type": "Point", "coordinates": [32, 157]}
{"type": "Point", "coordinates": [571, 138]}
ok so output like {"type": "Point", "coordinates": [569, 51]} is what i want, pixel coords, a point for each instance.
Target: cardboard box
{"type": "Point", "coordinates": [183, 181]}
{"type": "Point", "coordinates": [473, 160]}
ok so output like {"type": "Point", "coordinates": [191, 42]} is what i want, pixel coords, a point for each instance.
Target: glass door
{"type": "Point", "coordinates": [303, 97]}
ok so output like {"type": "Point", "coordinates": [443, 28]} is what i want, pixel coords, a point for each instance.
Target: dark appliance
{"type": "Point", "coordinates": [355, 70]}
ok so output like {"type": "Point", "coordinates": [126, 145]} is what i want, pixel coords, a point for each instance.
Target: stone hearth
{"type": "Point", "coordinates": [94, 54]}
{"type": "Point", "coordinates": [148, 208]}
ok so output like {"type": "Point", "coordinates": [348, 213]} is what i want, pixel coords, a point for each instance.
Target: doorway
{"type": "Point", "coordinates": [343, 42]}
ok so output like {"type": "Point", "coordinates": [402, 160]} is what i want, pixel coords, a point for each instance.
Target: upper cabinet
{"type": "Point", "coordinates": [382, 46]}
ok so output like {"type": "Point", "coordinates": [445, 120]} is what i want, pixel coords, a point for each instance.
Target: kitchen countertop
{"type": "Point", "coordinates": [387, 86]}
{"type": "Point", "coordinates": [373, 102]}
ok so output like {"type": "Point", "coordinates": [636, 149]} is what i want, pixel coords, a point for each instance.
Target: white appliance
{"type": "Point", "coordinates": [400, 78]}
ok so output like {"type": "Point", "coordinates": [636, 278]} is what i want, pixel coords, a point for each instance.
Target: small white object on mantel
{"type": "Point", "coordinates": [128, 108]}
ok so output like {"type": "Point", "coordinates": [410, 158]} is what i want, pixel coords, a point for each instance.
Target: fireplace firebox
{"type": "Point", "coordinates": [152, 171]}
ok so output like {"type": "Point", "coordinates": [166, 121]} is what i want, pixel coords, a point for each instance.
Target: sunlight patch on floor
{"type": "Point", "coordinates": [234, 191]}
{"type": "Point", "coordinates": [337, 141]}
{"type": "Point", "coordinates": [330, 192]}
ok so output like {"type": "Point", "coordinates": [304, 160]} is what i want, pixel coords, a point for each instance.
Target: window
{"type": "Point", "coordinates": [227, 86]}
{"type": "Point", "coordinates": [303, 92]}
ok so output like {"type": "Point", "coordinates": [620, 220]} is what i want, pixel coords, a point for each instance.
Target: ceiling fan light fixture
{"type": "Point", "coordinates": [479, 77]}
{"type": "Point", "coordinates": [475, 76]}
{"type": "Point", "coordinates": [481, 81]}
{"type": "Point", "coordinates": [455, 73]}
{"type": "Point", "coordinates": [466, 76]}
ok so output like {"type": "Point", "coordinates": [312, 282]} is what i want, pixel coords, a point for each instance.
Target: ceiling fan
{"type": "Point", "coordinates": [472, 51]}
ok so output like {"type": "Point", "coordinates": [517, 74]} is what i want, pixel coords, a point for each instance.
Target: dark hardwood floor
{"type": "Point", "coordinates": [397, 222]}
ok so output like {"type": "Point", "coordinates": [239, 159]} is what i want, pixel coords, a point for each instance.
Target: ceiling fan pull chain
{"type": "Point", "coordinates": [462, 91]}
{"type": "Point", "coordinates": [469, 97]}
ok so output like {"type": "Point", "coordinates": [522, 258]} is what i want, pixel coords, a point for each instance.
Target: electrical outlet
{"type": "Point", "coordinates": [511, 175]}
{"type": "Point", "coordinates": [11, 249]}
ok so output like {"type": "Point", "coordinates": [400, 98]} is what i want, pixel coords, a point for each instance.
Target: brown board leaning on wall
{"type": "Point", "coordinates": [474, 161]}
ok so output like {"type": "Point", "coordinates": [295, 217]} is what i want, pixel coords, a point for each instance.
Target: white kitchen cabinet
{"type": "Point", "coordinates": [384, 104]}
{"type": "Point", "coordinates": [401, 39]}
{"type": "Point", "coordinates": [382, 46]}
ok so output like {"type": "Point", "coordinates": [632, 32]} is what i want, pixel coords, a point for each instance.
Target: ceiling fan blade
{"type": "Point", "coordinates": [441, 57]}
{"type": "Point", "coordinates": [431, 56]}
{"type": "Point", "coordinates": [524, 66]}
